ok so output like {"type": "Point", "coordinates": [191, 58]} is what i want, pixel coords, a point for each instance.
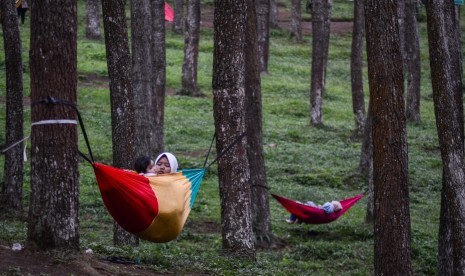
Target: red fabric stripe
{"type": "Point", "coordinates": [127, 196]}
{"type": "Point", "coordinates": [313, 215]}
{"type": "Point", "coordinates": [169, 13]}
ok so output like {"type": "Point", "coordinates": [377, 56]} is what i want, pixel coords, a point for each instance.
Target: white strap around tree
{"type": "Point", "coordinates": [43, 122]}
{"type": "Point", "coordinates": [50, 122]}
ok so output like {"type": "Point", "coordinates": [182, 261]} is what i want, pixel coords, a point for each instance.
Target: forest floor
{"type": "Point", "coordinates": [34, 262]}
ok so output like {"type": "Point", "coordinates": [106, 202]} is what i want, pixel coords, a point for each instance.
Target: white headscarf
{"type": "Point", "coordinates": [171, 158]}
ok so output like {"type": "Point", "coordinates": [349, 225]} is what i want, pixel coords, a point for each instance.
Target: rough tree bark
{"type": "Point", "coordinates": [121, 96]}
{"type": "Point", "coordinates": [12, 195]}
{"type": "Point", "coordinates": [366, 165]}
{"type": "Point", "coordinates": [263, 30]}
{"type": "Point", "coordinates": [274, 13]}
{"type": "Point", "coordinates": [158, 73]}
{"type": "Point", "coordinates": [178, 21]}
{"type": "Point", "coordinates": [321, 23]}
{"type": "Point", "coordinates": [54, 205]}
{"type": "Point", "coordinates": [446, 77]}
{"type": "Point", "coordinates": [296, 21]}
{"type": "Point", "coordinates": [93, 19]}
{"type": "Point", "coordinates": [229, 113]}
{"type": "Point", "coordinates": [191, 50]}
{"type": "Point", "coordinates": [412, 61]}
{"type": "Point", "coordinates": [356, 68]}
{"type": "Point", "coordinates": [390, 156]}
{"type": "Point", "coordinates": [445, 245]}
{"type": "Point", "coordinates": [260, 197]}
{"type": "Point", "coordinates": [141, 18]}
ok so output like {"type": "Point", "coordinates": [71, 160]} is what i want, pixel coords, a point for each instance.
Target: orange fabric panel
{"type": "Point", "coordinates": [173, 193]}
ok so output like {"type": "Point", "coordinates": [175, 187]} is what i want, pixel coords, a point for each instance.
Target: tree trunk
{"type": "Point", "coordinates": [390, 159]}
{"type": "Point", "coordinates": [121, 95]}
{"type": "Point", "coordinates": [54, 205]}
{"type": "Point", "coordinates": [446, 78]}
{"type": "Point", "coordinates": [191, 50]}
{"type": "Point", "coordinates": [356, 68]}
{"type": "Point", "coordinates": [253, 106]}
{"type": "Point", "coordinates": [158, 73]}
{"type": "Point", "coordinates": [122, 237]}
{"type": "Point", "coordinates": [321, 21]}
{"type": "Point", "coordinates": [93, 19]}
{"type": "Point", "coordinates": [263, 30]}
{"type": "Point", "coordinates": [141, 20]}
{"type": "Point", "coordinates": [274, 13]}
{"type": "Point", "coordinates": [366, 166]}
{"type": "Point", "coordinates": [412, 61]}
{"type": "Point", "coordinates": [296, 21]}
{"type": "Point", "coordinates": [366, 156]}
{"type": "Point", "coordinates": [370, 214]}
{"type": "Point", "coordinates": [229, 68]}
{"type": "Point", "coordinates": [445, 245]}
{"type": "Point", "coordinates": [178, 20]}
{"type": "Point", "coordinates": [11, 198]}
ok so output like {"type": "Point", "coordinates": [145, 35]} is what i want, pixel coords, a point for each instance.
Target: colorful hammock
{"type": "Point", "coordinates": [314, 215]}
{"type": "Point", "coordinates": [153, 208]}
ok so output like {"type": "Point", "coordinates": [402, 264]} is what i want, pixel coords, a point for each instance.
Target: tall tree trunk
{"type": "Point", "coordinates": [370, 214]}
{"type": "Point", "coordinates": [296, 21]}
{"type": "Point", "coordinates": [54, 205]}
{"type": "Point", "coordinates": [263, 30]}
{"type": "Point", "coordinates": [412, 61]}
{"type": "Point", "coordinates": [321, 23]}
{"type": "Point", "coordinates": [229, 101]}
{"type": "Point", "coordinates": [356, 68]}
{"type": "Point", "coordinates": [11, 198]}
{"type": "Point", "coordinates": [274, 13]}
{"type": "Point", "coordinates": [446, 78]}
{"type": "Point", "coordinates": [367, 146]}
{"type": "Point", "coordinates": [366, 165]}
{"type": "Point", "coordinates": [121, 96]}
{"type": "Point", "coordinates": [141, 20]}
{"type": "Point", "coordinates": [253, 106]}
{"type": "Point", "coordinates": [93, 19]}
{"type": "Point", "coordinates": [191, 50]}
{"type": "Point", "coordinates": [178, 21]}
{"type": "Point", "coordinates": [445, 244]}
{"type": "Point", "coordinates": [159, 73]}
{"type": "Point", "coordinates": [390, 156]}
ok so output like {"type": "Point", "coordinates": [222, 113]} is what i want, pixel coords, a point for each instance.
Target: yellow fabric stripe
{"type": "Point", "coordinates": [173, 193]}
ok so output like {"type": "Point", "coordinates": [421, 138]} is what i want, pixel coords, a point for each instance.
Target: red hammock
{"type": "Point", "coordinates": [169, 13]}
{"type": "Point", "coordinates": [314, 215]}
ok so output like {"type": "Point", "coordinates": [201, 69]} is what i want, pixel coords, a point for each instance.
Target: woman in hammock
{"type": "Point", "coordinates": [328, 207]}
{"type": "Point", "coordinates": [165, 163]}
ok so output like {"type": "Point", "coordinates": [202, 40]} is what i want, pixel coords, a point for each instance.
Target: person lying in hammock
{"type": "Point", "coordinates": [166, 163]}
{"type": "Point", "coordinates": [144, 166]}
{"type": "Point", "coordinates": [328, 207]}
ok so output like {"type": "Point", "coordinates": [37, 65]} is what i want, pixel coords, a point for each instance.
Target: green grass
{"type": "Point", "coordinates": [302, 162]}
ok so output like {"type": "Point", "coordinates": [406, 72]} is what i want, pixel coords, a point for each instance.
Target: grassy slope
{"type": "Point", "coordinates": [302, 162]}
